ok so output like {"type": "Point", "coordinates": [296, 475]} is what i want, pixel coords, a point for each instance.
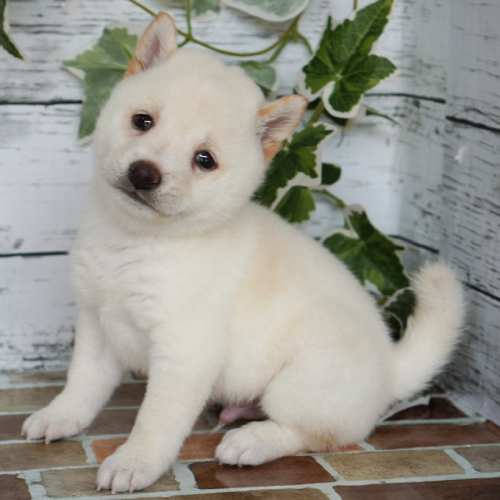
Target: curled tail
{"type": "Point", "coordinates": [432, 331]}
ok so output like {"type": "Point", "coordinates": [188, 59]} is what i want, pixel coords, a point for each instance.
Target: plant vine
{"type": "Point", "coordinates": [336, 77]}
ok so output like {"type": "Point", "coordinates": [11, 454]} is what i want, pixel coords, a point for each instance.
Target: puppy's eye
{"type": "Point", "coordinates": [142, 122]}
{"type": "Point", "coordinates": [204, 160]}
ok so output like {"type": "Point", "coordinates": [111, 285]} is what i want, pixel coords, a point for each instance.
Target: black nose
{"type": "Point", "coordinates": [144, 174]}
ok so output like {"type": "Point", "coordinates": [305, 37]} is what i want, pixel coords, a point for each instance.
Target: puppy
{"type": "Point", "coordinates": [180, 276]}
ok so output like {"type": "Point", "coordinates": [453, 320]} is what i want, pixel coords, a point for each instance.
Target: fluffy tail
{"type": "Point", "coordinates": [432, 331]}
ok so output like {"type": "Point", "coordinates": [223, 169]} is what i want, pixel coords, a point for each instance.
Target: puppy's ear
{"type": "Point", "coordinates": [277, 121]}
{"type": "Point", "coordinates": [156, 45]}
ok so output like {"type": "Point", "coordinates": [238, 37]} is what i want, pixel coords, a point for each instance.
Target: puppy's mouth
{"type": "Point", "coordinates": [133, 195]}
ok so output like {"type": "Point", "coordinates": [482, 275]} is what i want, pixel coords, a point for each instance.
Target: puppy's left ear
{"type": "Point", "coordinates": [277, 121]}
{"type": "Point", "coordinates": [156, 45]}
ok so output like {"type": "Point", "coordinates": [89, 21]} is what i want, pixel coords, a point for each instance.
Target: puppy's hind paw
{"type": "Point", "coordinates": [242, 447]}
{"type": "Point", "coordinates": [257, 443]}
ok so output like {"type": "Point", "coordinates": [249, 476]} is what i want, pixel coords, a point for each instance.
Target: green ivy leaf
{"type": "Point", "coordinates": [5, 40]}
{"type": "Point", "coordinates": [298, 155]}
{"type": "Point", "coordinates": [270, 10]}
{"type": "Point", "coordinates": [330, 174]}
{"type": "Point", "coordinates": [369, 254]}
{"type": "Point", "coordinates": [263, 74]}
{"type": "Point", "coordinates": [206, 7]}
{"type": "Point", "coordinates": [101, 67]}
{"type": "Point", "coordinates": [398, 309]}
{"type": "Point", "coordinates": [296, 205]}
{"type": "Point", "coordinates": [343, 63]}
{"type": "Point", "coordinates": [357, 79]}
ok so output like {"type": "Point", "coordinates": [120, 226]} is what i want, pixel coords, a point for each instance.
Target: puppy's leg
{"type": "Point", "coordinates": [93, 375]}
{"type": "Point", "coordinates": [316, 404]}
{"type": "Point", "coordinates": [183, 368]}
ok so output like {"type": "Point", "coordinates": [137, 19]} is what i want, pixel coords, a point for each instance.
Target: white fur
{"type": "Point", "coordinates": [216, 298]}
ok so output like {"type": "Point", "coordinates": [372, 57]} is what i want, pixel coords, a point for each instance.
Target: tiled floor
{"type": "Point", "coordinates": [434, 452]}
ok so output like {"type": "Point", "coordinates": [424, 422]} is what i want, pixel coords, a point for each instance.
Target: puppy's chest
{"type": "Point", "coordinates": [124, 281]}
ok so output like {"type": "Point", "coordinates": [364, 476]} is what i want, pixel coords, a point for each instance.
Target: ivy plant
{"type": "Point", "coordinates": [5, 39]}
{"type": "Point", "coordinates": [341, 70]}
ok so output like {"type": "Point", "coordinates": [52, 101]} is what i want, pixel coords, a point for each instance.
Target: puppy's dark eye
{"type": "Point", "coordinates": [142, 122]}
{"type": "Point", "coordinates": [204, 160]}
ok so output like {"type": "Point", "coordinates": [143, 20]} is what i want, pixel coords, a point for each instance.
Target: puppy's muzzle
{"type": "Point", "coordinates": [144, 175]}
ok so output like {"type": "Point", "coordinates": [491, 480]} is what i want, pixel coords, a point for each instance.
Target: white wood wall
{"type": "Point", "coordinates": [434, 181]}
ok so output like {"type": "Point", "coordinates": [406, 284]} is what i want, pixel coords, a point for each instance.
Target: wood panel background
{"type": "Point", "coordinates": [433, 181]}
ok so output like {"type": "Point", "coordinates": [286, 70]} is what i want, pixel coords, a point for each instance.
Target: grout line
{"type": "Point", "coordinates": [334, 473]}
{"type": "Point", "coordinates": [89, 451]}
{"type": "Point", "coordinates": [433, 421]}
{"type": "Point", "coordinates": [184, 476]}
{"type": "Point", "coordinates": [462, 461]}
{"type": "Point", "coordinates": [34, 481]}
{"type": "Point", "coordinates": [419, 479]}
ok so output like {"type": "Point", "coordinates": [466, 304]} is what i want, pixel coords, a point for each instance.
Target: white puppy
{"type": "Point", "coordinates": [180, 276]}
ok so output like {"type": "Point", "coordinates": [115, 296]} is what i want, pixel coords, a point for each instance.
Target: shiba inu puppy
{"type": "Point", "coordinates": [180, 276]}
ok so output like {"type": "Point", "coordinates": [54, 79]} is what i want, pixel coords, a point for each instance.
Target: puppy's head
{"type": "Point", "coordinates": [185, 139]}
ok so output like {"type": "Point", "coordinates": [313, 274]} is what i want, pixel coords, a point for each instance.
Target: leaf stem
{"type": "Point", "coordinates": [143, 7]}
{"type": "Point", "coordinates": [188, 16]}
{"type": "Point", "coordinates": [190, 38]}
{"type": "Point", "coordinates": [355, 7]}
{"type": "Point", "coordinates": [305, 41]}
{"type": "Point", "coordinates": [318, 111]}
{"type": "Point", "coordinates": [329, 195]}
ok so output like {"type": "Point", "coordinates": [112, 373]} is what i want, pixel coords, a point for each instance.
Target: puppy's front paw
{"type": "Point", "coordinates": [52, 423]}
{"type": "Point", "coordinates": [127, 470]}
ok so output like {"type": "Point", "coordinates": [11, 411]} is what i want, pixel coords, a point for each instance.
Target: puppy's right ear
{"type": "Point", "coordinates": [156, 45]}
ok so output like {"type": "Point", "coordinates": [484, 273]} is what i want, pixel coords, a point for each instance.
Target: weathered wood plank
{"type": "Point", "coordinates": [416, 164]}
{"type": "Point", "coordinates": [37, 313]}
{"type": "Point", "coordinates": [474, 89]}
{"type": "Point", "coordinates": [49, 32]}
{"type": "Point", "coordinates": [471, 205]}
{"type": "Point", "coordinates": [474, 373]}
{"type": "Point", "coordinates": [42, 194]}
{"type": "Point", "coordinates": [43, 177]}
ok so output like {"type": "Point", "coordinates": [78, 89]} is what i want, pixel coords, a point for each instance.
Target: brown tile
{"type": "Point", "coordinates": [113, 422]}
{"type": "Point", "coordinates": [348, 448]}
{"type": "Point", "coordinates": [466, 489]}
{"type": "Point", "coordinates": [198, 446]}
{"type": "Point", "coordinates": [438, 408]}
{"type": "Point", "coordinates": [27, 399]}
{"type": "Point", "coordinates": [202, 424]}
{"type": "Point", "coordinates": [81, 482]}
{"type": "Point", "coordinates": [37, 377]}
{"type": "Point", "coordinates": [295, 494]}
{"type": "Point", "coordinates": [282, 472]}
{"type": "Point", "coordinates": [41, 456]}
{"type": "Point", "coordinates": [38, 397]}
{"type": "Point", "coordinates": [122, 421]}
{"type": "Point", "coordinates": [128, 395]}
{"type": "Point", "coordinates": [392, 437]}
{"type": "Point", "coordinates": [482, 458]}
{"type": "Point", "coordinates": [436, 389]}
{"type": "Point", "coordinates": [493, 428]}
{"type": "Point", "coordinates": [13, 488]}
{"type": "Point", "coordinates": [394, 464]}
{"type": "Point", "coordinates": [10, 427]}
{"type": "Point", "coordinates": [103, 448]}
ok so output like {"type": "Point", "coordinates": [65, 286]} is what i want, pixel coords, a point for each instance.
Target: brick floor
{"type": "Point", "coordinates": [394, 464]}
{"type": "Point", "coordinates": [435, 452]}
{"type": "Point", "coordinates": [285, 471]}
